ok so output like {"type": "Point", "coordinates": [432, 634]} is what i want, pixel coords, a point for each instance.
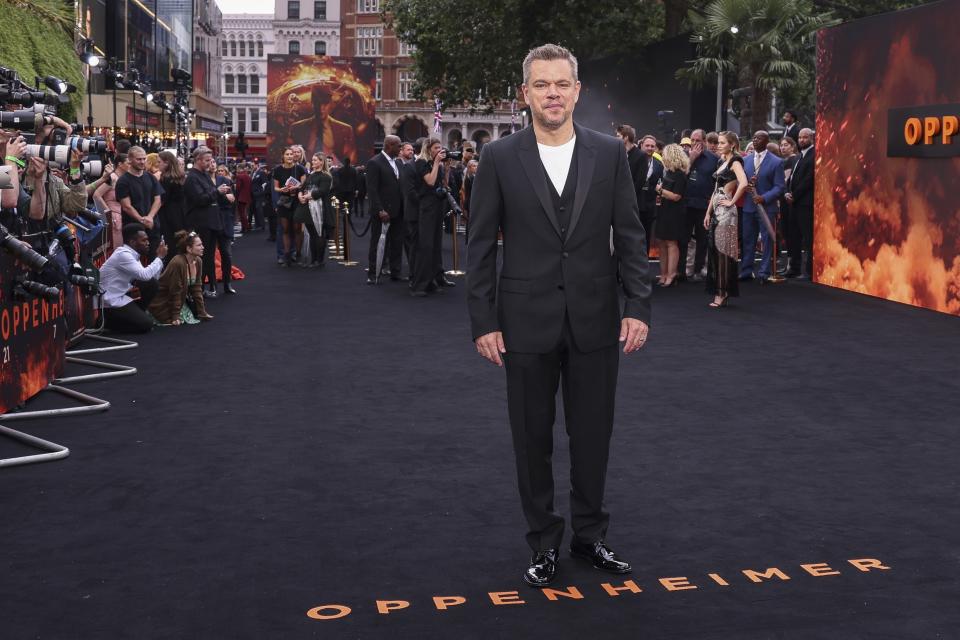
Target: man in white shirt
{"type": "Point", "coordinates": [123, 270]}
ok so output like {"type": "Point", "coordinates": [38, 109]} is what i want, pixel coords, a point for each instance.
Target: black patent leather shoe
{"type": "Point", "coordinates": [228, 290]}
{"type": "Point", "coordinates": [600, 555]}
{"type": "Point", "coordinates": [443, 282]}
{"type": "Point", "coordinates": [542, 569]}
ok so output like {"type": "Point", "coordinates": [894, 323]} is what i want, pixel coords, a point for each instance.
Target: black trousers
{"type": "Point", "coordinates": [647, 218]}
{"type": "Point", "coordinates": [393, 257]}
{"type": "Point", "coordinates": [589, 383]}
{"type": "Point", "coordinates": [802, 220]}
{"type": "Point", "coordinates": [429, 267]}
{"type": "Point", "coordinates": [132, 317]}
{"type": "Point", "coordinates": [695, 228]}
{"type": "Point", "coordinates": [411, 237]}
{"type": "Point", "coordinates": [318, 242]}
{"type": "Point", "coordinates": [212, 240]}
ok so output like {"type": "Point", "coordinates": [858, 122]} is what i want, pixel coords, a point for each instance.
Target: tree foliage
{"type": "Point", "coordinates": [38, 41]}
{"type": "Point", "coordinates": [468, 50]}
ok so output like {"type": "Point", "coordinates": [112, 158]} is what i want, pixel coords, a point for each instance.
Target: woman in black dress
{"type": "Point", "coordinates": [433, 205]}
{"type": "Point", "coordinates": [173, 210]}
{"type": "Point", "coordinates": [723, 222]}
{"type": "Point", "coordinates": [287, 203]}
{"type": "Point", "coordinates": [316, 190]}
{"type": "Point", "coordinates": [671, 211]}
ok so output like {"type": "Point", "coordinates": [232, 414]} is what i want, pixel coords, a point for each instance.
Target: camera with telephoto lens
{"type": "Point", "coordinates": [23, 119]}
{"type": "Point", "coordinates": [28, 288]}
{"type": "Point", "coordinates": [21, 251]}
{"type": "Point", "coordinates": [89, 169]}
{"type": "Point", "coordinates": [87, 145]}
{"type": "Point", "coordinates": [14, 91]}
{"type": "Point", "coordinates": [59, 153]}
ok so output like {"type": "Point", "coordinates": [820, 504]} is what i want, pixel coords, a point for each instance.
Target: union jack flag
{"type": "Point", "coordinates": [437, 115]}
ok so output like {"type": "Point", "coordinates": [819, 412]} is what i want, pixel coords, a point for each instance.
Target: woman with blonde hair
{"type": "Point", "coordinates": [429, 261]}
{"type": "Point", "coordinates": [314, 210]}
{"type": "Point", "coordinates": [671, 211]}
{"type": "Point", "coordinates": [153, 165]}
{"type": "Point", "coordinates": [722, 222]}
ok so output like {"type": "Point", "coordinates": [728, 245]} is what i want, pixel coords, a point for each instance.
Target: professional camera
{"type": "Point", "coordinates": [23, 119]}
{"type": "Point", "coordinates": [87, 145]}
{"type": "Point", "coordinates": [21, 252]}
{"type": "Point", "coordinates": [52, 153]}
{"type": "Point", "coordinates": [28, 288]}
{"type": "Point", "coordinates": [6, 177]}
{"type": "Point", "coordinates": [14, 91]}
{"type": "Point", "coordinates": [444, 194]}
{"type": "Point", "coordinates": [452, 155]}
{"type": "Point", "coordinates": [89, 169]}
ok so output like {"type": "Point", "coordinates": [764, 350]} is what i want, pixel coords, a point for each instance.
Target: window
{"type": "Point", "coordinates": [241, 83]}
{"type": "Point", "coordinates": [259, 49]}
{"type": "Point", "coordinates": [241, 119]}
{"type": "Point", "coordinates": [320, 48]}
{"type": "Point", "coordinates": [320, 9]}
{"type": "Point", "coordinates": [233, 48]}
{"type": "Point", "coordinates": [369, 41]}
{"type": "Point", "coordinates": [254, 84]}
{"type": "Point", "coordinates": [229, 83]}
{"type": "Point", "coordinates": [293, 10]}
{"type": "Point", "coordinates": [377, 92]}
{"type": "Point", "coordinates": [223, 49]}
{"type": "Point", "coordinates": [294, 47]}
{"type": "Point", "coordinates": [368, 6]}
{"type": "Point", "coordinates": [243, 48]}
{"type": "Point", "coordinates": [407, 49]}
{"type": "Point", "coordinates": [254, 119]}
{"type": "Point", "coordinates": [405, 86]}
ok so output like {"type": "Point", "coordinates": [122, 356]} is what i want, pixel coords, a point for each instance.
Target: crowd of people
{"type": "Point", "coordinates": [707, 203]}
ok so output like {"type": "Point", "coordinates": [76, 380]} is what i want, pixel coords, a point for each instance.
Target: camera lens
{"type": "Point", "coordinates": [22, 252]}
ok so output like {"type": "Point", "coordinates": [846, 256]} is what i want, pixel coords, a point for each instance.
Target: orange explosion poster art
{"type": "Point", "coordinates": [888, 225]}
{"type": "Point", "coordinates": [322, 103]}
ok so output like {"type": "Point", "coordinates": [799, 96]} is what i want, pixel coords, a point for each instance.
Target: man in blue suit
{"type": "Point", "coordinates": [768, 169]}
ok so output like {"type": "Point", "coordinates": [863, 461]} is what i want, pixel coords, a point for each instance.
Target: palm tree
{"type": "Point", "coordinates": [764, 44]}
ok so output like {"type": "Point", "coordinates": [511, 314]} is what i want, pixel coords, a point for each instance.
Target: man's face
{"type": "Point", "coordinates": [648, 146]}
{"type": "Point", "coordinates": [141, 243]}
{"type": "Point", "coordinates": [760, 140]}
{"type": "Point", "coordinates": [697, 137]}
{"type": "Point", "coordinates": [805, 139]}
{"type": "Point", "coordinates": [552, 93]}
{"type": "Point", "coordinates": [391, 147]}
{"type": "Point", "coordinates": [787, 119]}
{"type": "Point", "coordinates": [712, 146]}
{"type": "Point", "coordinates": [324, 109]}
{"type": "Point", "coordinates": [138, 160]}
{"type": "Point", "coordinates": [406, 152]}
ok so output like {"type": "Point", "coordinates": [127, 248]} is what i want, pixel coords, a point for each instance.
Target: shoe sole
{"type": "Point", "coordinates": [587, 558]}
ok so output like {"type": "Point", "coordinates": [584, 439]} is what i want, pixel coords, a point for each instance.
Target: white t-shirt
{"type": "Point", "coordinates": [556, 160]}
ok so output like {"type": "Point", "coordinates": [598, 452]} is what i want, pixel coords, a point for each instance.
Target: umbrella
{"type": "Point", "coordinates": [766, 219]}
{"type": "Point", "coordinates": [381, 246]}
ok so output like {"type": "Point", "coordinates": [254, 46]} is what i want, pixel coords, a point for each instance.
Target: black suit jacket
{"type": "Point", "coordinates": [203, 210]}
{"type": "Point", "coordinates": [801, 181]}
{"type": "Point", "coordinates": [409, 181]}
{"type": "Point", "coordinates": [647, 187]}
{"type": "Point", "coordinates": [383, 188]}
{"type": "Point", "coordinates": [546, 275]}
{"type": "Point", "coordinates": [793, 131]}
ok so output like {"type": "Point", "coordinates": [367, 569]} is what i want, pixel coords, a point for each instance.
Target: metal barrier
{"type": "Point", "coordinates": [53, 450]}
{"type": "Point", "coordinates": [92, 405]}
{"type": "Point", "coordinates": [118, 345]}
{"type": "Point", "coordinates": [113, 371]}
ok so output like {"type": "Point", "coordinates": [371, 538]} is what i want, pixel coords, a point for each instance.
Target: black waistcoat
{"type": "Point", "coordinates": [563, 202]}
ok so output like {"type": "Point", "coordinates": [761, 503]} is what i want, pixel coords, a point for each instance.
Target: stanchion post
{"type": "Point", "coordinates": [335, 253]}
{"type": "Point", "coordinates": [456, 249]}
{"type": "Point", "coordinates": [347, 262]}
{"type": "Point", "coordinates": [776, 278]}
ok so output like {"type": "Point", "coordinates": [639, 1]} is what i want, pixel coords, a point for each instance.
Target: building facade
{"type": "Point", "coordinates": [247, 41]}
{"type": "Point", "coordinates": [307, 27]}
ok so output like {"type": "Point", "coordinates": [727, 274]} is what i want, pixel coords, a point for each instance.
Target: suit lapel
{"type": "Point", "coordinates": [533, 167]}
{"type": "Point", "coordinates": [586, 160]}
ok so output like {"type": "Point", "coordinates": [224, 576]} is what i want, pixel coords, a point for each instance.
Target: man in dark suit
{"type": "Point", "coordinates": [649, 172]}
{"type": "Point", "coordinates": [791, 126]}
{"type": "Point", "coordinates": [322, 133]}
{"type": "Point", "coordinates": [386, 207]}
{"type": "Point", "coordinates": [767, 170]}
{"type": "Point", "coordinates": [411, 203]}
{"type": "Point", "coordinates": [203, 209]}
{"type": "Point", "coordinates": [800, 196]}
{"type": "Point", "coordinates": [556, 190]}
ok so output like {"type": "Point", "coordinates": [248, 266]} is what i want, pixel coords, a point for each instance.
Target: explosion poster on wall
{"type": "Point", "coordinates": [887, 218]}
{"type": "Point", "coordinates": [321, 103]}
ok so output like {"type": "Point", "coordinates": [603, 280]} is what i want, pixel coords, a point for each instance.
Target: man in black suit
{"type": "Point", "coordinates": [386, 206]}
{"type": "Point", "coordinates": [800, 196]}
{"type": "Point", "coordinates": [649, 173]}
{"type": "Point", "coordinates": [791, 128]}
{"type": "Point", "coordinates": [555, 190]}
{"type": "Point", "coordinates": [411, 203]}
{"type": "Point", "coordinates": [635, 157]}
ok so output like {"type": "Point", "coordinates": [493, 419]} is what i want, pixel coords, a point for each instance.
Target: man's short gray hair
{"type": "Point", "coordinates": [201, 150]}
{"type": "Point", "coordinates": [549, 52]}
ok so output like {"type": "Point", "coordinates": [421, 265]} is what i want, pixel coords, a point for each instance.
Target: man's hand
{"type": "Point", "coordinates": [384, 216]}
{"type": "Point", "coordinates": [695, 152]}
{"type": "Point", "coordinates": [226, 188]}
{"type": "Point", "coordinates": [633, 333]}
{"type": "Point", "coordinates": [147, 221]}
{"type": "Point", "coordinates": [231, 198]}
{"type": "Point", "coordinates": [490, 346]}
{"type": "Point", "coordinates": [36, 168]}
{"type": "Point", "coordinates": [161, 248]}
{"type": "Point", "coordinates": [75, 159]}
{"type": "Point", "coordinates": [758, 199]}
{"type": "Point", "coordinates": [789, 197]}
{"type": "Point", "coordinates": [16, 147]}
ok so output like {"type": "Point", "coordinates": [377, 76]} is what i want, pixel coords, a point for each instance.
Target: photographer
{"type": "Point", "coordinates": [122, 271]}
{"type": "Point", "coordinates": [429, 276]}
{"type": "Point", "coordinates": [11, 151]}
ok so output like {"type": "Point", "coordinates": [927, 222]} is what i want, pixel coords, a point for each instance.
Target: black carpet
{"type": "Point", "coordinates": [325, 442]}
